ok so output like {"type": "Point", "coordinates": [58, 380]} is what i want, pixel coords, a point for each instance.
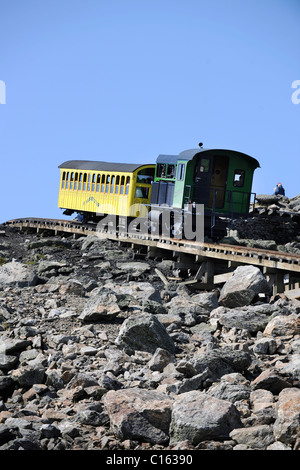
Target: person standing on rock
{"type": "Point", "coordinates": [279, 189]}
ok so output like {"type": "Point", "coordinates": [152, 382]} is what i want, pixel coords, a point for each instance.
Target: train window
{"type": "Point", "coordinates": [102, 183]}
{"type": "Point", "coordinates": [122, 185]}
{"type": "Point", "coordinates": [107, 183]}
{"type": "Point", "coordinates": [141, 192]}
{"type": "Point", "coordinates": [161, 170]}
{"type": "Point", "coordinates": [171, 171]}
{"type": "Point", "coordinates": [84, 181]}
{"type": "Point", "coordinates": [127, 185]}
{"type": "Point", "coordinates": [93, 181]}
{"type": "Point", "coordinates": [80, 182]}
{"type": "Point", "coordinates": [71, 180]}
{"type": "Point", "coordinates": [112, 185]}
{"type": "Point", "coordinates": [239, 178]}
{"type": "Point", "coordinates": [117, 184]}
{"type": "Point", "coordinates": [67, 180]}
{"type": "Point", "coordinates": [204, 165]}
{"type": "Point", "coordinates": [98, 183]}
{"type": "Point", "coordinates": [180, 171]}
{"type": "Point", "coordinates": [76, 181]}
{"type": "Point", "coordinates": [63, 180]}
{"type": "Point", "coordinates": [89, 182]}
{"type": "Point", "coordinates": [145, 176]}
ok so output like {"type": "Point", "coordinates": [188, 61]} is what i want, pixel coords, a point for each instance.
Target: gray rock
{"type": "Point", "coordinates": [287, 424]}
{"type": "Point", "coordinates": [255, 437]}
{"type": "Point", "coordinates": [246, 318]}
{"type": "Point", "coordinates": [283, 325]}
{"type": "Point", "coordinates": [104, 307]}
{"type": "Point", "coordinates": [272, 381]}
{"type": "Point", "coordinates": [241, 288]}
{"type": "Point", "coordinates": [197, 416]}
{"type": "Point", "coordinates": [7, 362]}
{"type": "Point", "coordinates": [28, 375]}
{"type": "Point", "coordinates": [290, 369]}
{"type": "Point", "coordinates": [14, 274]}
{"type": "Point", "coordinates": [135, 268]}
{"type": "Point", "coordinates": [139, 414]}
{"type": "Point", "coordinates": [47, 269]}
{"type": "Point", "coordinates": [11, 346]}
{"type": "Point", "coordinates": [232, 387]}
{"type": "Point", "coordinates": [221, 361]}
{"type": "Point", "coordinates": [144, 333]}
{"type": "Point", "coordinates": [160, 359]}
{"type": "Point", "coordinates": [72, 286]}
{"type": "Point", "coordinates": [266, 199]}
{"type": "Point", "coordinates": [207, 300]}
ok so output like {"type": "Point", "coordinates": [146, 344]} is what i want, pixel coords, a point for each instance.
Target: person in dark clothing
{"type": "Point", "coordinates": [279, 189]}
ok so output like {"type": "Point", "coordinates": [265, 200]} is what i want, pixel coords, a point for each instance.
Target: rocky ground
{"type": "Point", "coordinates": [273, 224]}
{"type": "Point", "coordinates": [96, 352]}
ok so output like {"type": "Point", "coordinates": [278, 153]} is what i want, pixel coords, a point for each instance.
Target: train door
{"type": "Point", "coordinates": [202, 177]}
{"type": "Point", "coordinates": [218, 181]}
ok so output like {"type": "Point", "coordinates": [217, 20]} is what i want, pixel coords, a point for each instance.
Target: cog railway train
{"type": "Point", "coordinates": [219, 181]}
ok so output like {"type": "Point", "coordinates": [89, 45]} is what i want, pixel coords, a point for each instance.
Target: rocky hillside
{"type": "Point", "coordinates": [96, 352]}
{"type": "Point", "coordinates": [273, 224]}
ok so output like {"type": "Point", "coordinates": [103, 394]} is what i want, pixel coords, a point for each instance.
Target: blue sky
{"type": "Point", "coordinates": [126, 80]}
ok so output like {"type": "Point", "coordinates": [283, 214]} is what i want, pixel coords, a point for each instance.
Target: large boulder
{"type": "Point", "coordinates": [15, 274]}
{"type": "Point", "coordinates": [196, 417]}
{"type": "Point", "coordinates": [139, 414]}
{"type": "Point", "coordinates": [248, 318]}
{"type": "Point", "coordinates": [218, 362]}
{"type": "Point", "coordinates": [102, 307]}
{"type": "Point", "coordinates": [283, 325]}
{"type": "Point", "coordinates": [245, 283]}
{"type": "Point", "coordinates": [287, 424]}
{"type": "Point", "coordinates": [144, 332]}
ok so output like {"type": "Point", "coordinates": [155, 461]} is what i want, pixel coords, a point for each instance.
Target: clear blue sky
{"type": "Point", "coordinates": [126, 80]}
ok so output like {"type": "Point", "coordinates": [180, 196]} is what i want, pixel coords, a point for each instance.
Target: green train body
{"type": "Point", "coordinates": [220, 180]}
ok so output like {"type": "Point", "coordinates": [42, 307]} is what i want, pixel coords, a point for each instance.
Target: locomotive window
{"type": "Point", "coordinates": [80, 182]}
{"type": "Point", "coordinates": [171, 171]}
{"type": "Point", "coordinates": [239, 178]}
{"type": "Point", "coordinates": [180, 171]}
{"type": "Point", "coordinates": [112, 186]}
{"type": "Point", "coordinates": [63, 180]}
{"type": "Point", "coordinates": [127, 185]}
{"type": "Point", "coordinates": [161, 170]}
{"type": "Point", "coordinates": [204, 165]}
{"type": "Point", "coordinates": [67, 180]}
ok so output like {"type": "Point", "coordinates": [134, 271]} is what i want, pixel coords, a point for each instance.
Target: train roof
{"type": "Point", "coordinates": [100, 166]}
{"type": "Point", "coordinates": [189, 155]}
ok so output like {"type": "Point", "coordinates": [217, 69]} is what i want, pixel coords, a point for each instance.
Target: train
{"type": "Point", "coordinates": [214, 184]}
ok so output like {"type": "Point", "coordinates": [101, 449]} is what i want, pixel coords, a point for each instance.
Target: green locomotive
{"type": "Point", "coordinates": [220, 180]}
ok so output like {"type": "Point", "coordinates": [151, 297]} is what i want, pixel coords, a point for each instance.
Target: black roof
{"type": "Point", "coordinates": [100, 166]}
{"type": "Point", "coordinates": [189, 155]}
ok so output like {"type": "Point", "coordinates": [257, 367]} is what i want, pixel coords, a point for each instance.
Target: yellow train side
{"type": "Point", "coordinates": [122, 193]}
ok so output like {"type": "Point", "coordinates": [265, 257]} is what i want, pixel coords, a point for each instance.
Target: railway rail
{"type": "Point", "coordinates": [236, 253]}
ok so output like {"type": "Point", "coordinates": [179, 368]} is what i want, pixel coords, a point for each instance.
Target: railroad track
{"type": "Point", "coordinates": [273, 261]}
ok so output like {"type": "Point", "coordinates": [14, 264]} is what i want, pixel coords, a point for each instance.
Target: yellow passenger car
{"type": "Point", "coordinates": [93, 188]}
